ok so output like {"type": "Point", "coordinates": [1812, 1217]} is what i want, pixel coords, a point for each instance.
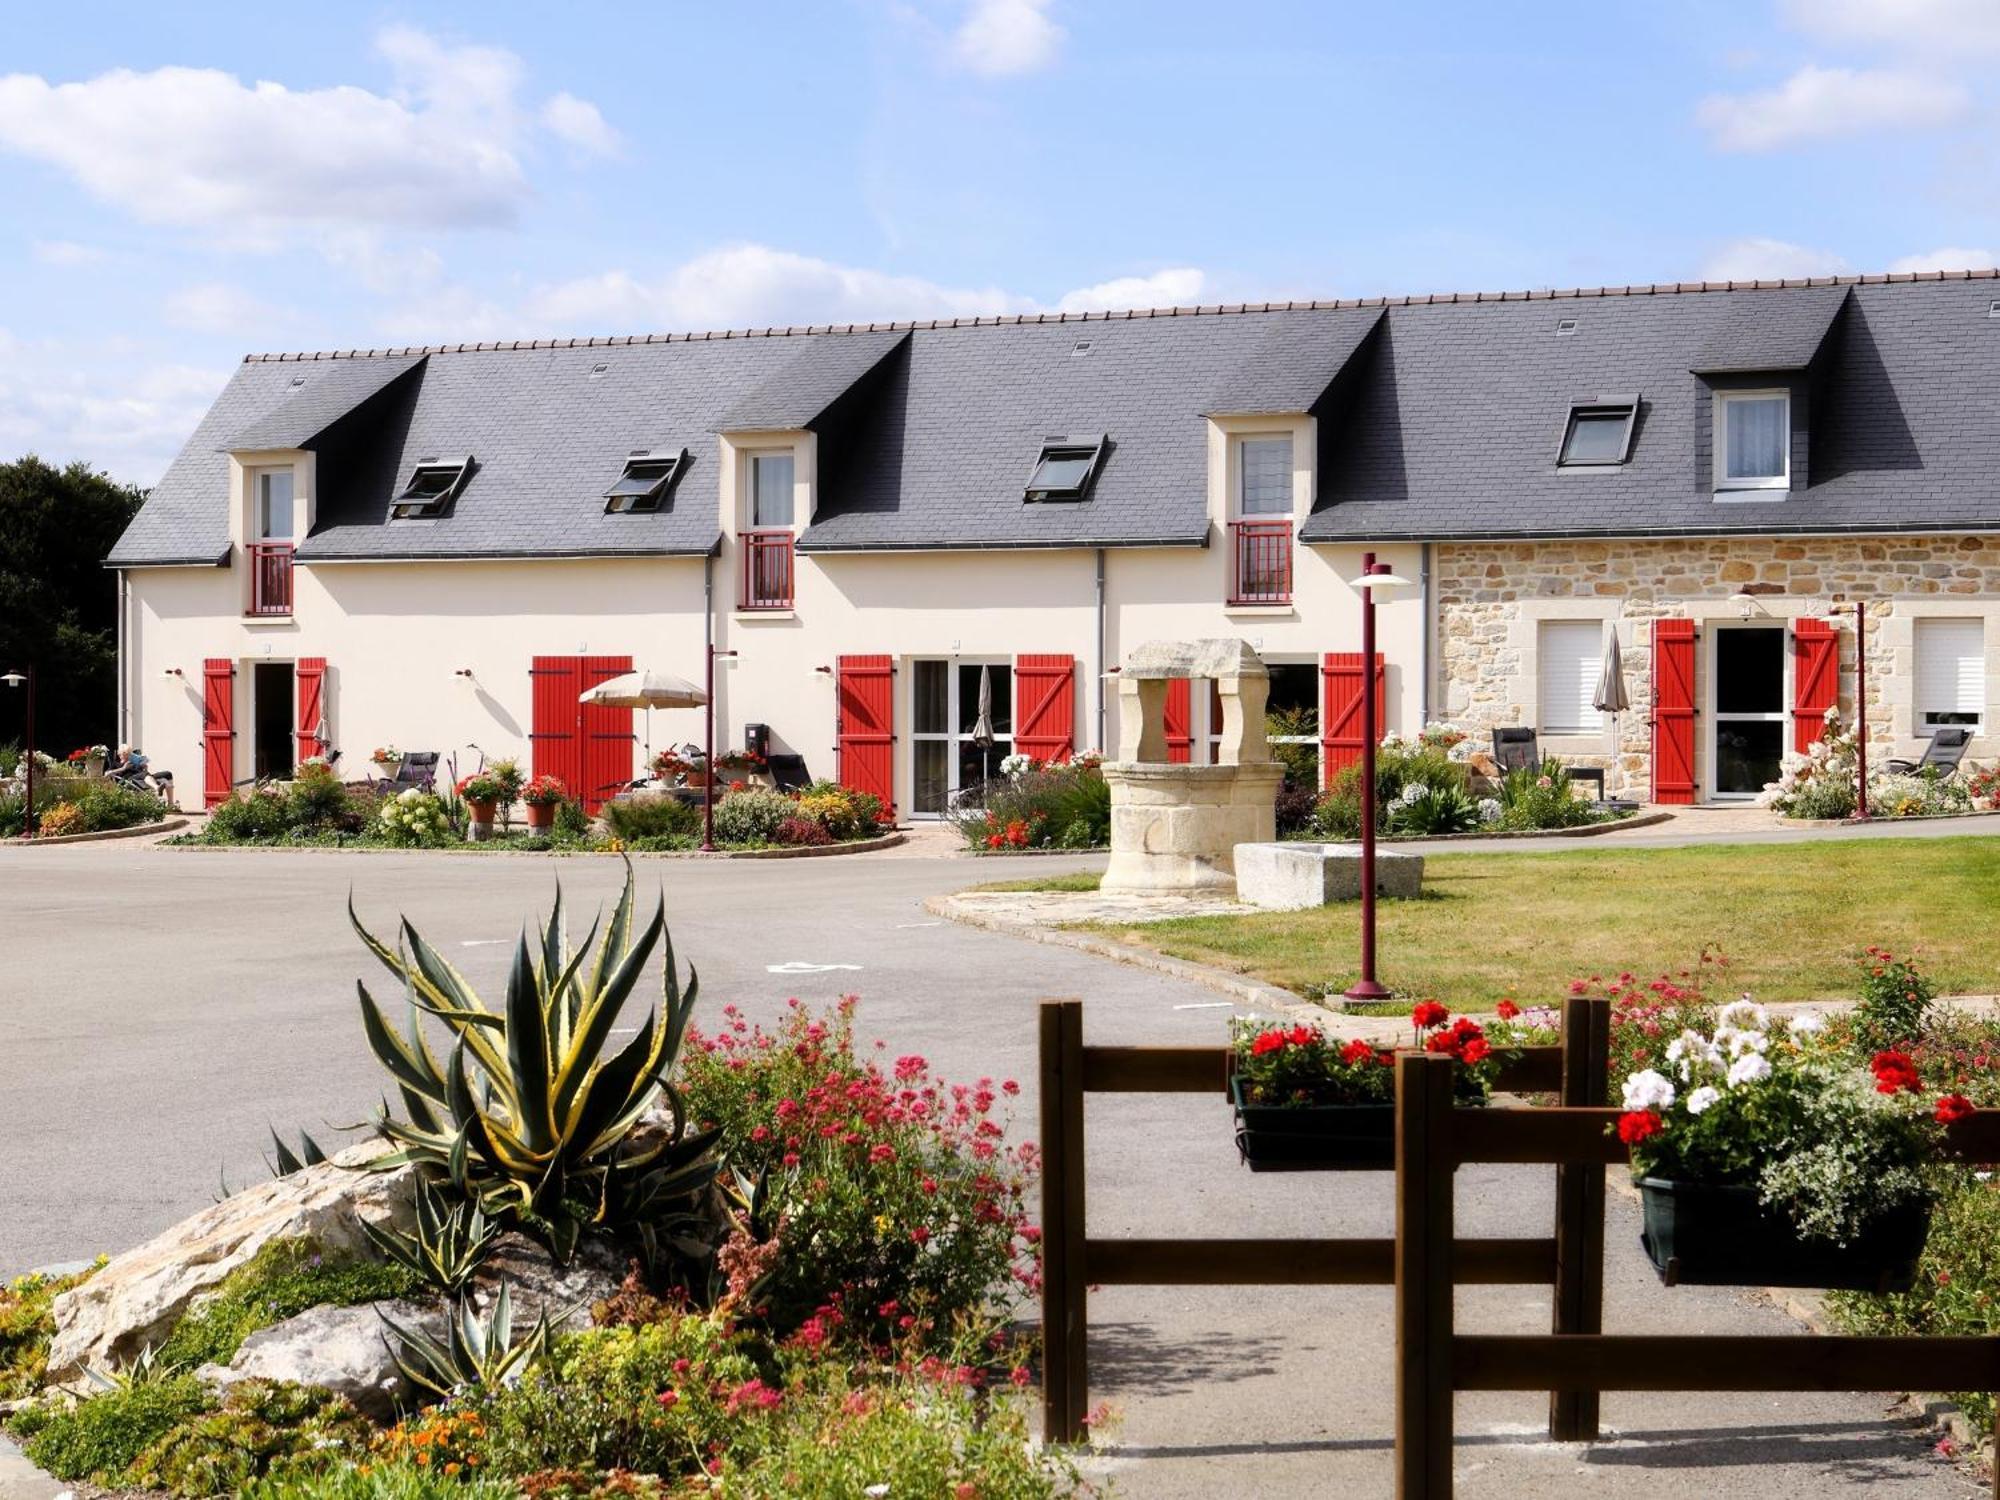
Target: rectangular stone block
{"type": "Point", "coordinates": [1292, 876]}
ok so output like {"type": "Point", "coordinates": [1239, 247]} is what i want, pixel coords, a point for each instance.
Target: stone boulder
{"type": "Point", "coordinates": [136, 1299]}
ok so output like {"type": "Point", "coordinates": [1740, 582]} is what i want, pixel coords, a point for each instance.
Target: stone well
{"type": "Point", "coordinates": [1175, 827]}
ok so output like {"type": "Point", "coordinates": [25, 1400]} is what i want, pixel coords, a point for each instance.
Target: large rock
{"type": "Point", "coordinates": [136, 1299]}
{"type": "Point", "coordinates": [346, 1349]}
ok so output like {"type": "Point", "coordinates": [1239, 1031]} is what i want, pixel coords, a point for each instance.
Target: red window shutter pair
{"type": "Point", "coordinates": [1341, 735]}
{"type": "Point", "coordinates": [586, 747]}
{"type": "Point", "coordinates": [1045, 706]}
{"type": "Point", "coordinates": [864, 725]}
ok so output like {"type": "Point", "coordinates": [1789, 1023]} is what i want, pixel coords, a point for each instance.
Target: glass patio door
{"type": "Point", "coordinates": [1748, 672]}
{"type": "Point", "coordinates": [944, 722]}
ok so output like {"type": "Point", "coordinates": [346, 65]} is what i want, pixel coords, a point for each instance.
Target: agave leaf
{"type": "Point", "coordinates": [613, 1085]}
{"type": "Point", "coordinates": [445, 990]}
{"type": "Point", "coordinates": [600, 1016]}
{"type": "Point", "coordinates": [528, 1053]}
{"type": "Point", "coordinates": [552, 942]}
{"type": "Point", "coordinates": [411, 1067]}
{"type": "Point", "coordinates": [286, 1163]}
{"type": "Point", "coordinates": [617, 936]}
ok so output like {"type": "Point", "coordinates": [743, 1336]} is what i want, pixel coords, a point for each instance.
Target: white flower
{"type": "Point", "coordinates": [1648, 1090]}
{"type": "Point", "coordinates": [1489, 809]}
{"type": "Point", "coordinates": [1701, 1098]}
{"type": "Point", "coordinates": [877, 1490]}
{"type": "Point", "coordinates": [1808, 1022]}
{"type": "Point", "coordinates": [1739, 1042]}
{"type": "Point", "coordinates": [1745, 1013]}
{"type": "Point", "coordinates": [1415, 792]}
{"type": "Point", "coordinates": [1691, 1047]}
{"type": "Point", "coordinates": [1751, 1067]}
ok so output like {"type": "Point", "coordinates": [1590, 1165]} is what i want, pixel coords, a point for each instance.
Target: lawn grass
{"type": "Point", "coordinates": [1081, 880]}
{"type": "Point", "coordinates": [1789, 917]}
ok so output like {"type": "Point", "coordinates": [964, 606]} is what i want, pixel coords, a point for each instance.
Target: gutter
{"type": "Point", "coordinates": [1634, 533]}
{"type": "Point", "coordinates": [1424, 638]}
{"type": "Point", "coordinates": [1101, 667]}
{"type": "Point", "coordinates": [1067, 544]}
{"type": "Point", "coordinates": [124, 736]}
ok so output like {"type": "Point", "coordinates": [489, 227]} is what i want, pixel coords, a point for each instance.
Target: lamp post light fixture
{"type": "Point", "coordinates": [1374, 576]}
{"type": "Point", "coordinates": [1859, 609]}
{"type": "Point", "coordinates": [14, 680]}
{"type": "Point", "coordinates": [708, 767]}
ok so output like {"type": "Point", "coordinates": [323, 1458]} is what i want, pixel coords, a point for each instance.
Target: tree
{"type": "Point", "coordinates": [58, 602]}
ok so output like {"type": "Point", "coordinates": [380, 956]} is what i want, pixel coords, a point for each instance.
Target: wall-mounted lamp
{"type": "Point", "coordinates": [171, 672]}
{"type": "Point", "coordinates": [1746, 604]}
{"type": "Point", "coordinates": [823, 671]}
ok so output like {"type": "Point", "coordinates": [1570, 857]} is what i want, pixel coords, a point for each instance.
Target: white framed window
{"type": "Point", "coordinates": [1264, 475]}
{"type": "Point", "coordinates": [272, 504]}
{"type": "Point", "coordinates": [1569, 657]}
{"type": "Point", "coordinates": [1951, 674]}
{"type": "Point", "coordinates": [772, 488]}
{"type": "Point", "coordinates": [1753, 440]}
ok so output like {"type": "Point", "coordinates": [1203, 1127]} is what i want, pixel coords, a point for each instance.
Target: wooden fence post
{"type": "Point", "coordinates": [1423, 1252]}
{"type": "Point", "coordinates": [1579, 1286]}
{"type": "Point", "coordinates": [1065, 1325]}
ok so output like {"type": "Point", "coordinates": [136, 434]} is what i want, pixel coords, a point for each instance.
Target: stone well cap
{"type": "Point", "coordinates": [1221, 657]}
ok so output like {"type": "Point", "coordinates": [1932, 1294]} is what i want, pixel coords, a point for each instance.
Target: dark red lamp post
{"type": "Point", "coordinates": [17, 679]}
{"type": "Point", "coordinates": [1374, 576]}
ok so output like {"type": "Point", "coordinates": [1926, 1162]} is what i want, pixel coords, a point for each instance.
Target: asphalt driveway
{"type": "Point", "coordinates": [159, 1009]}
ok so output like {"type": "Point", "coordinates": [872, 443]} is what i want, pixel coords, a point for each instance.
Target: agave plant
{"type": "Point", "coordinates": [475, 1353]}
{"type": "Point", "coordinates": [544, 1138]}
{"type": "Point", "coordinates": [450, 1244]}
{"type": "Point", "coordinates": [146, 1369]}
{"type": "Point", "coordinates": [309, 1154]}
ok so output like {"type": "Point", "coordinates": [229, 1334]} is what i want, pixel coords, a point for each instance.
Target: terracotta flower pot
{"type": "Point", "coordinates": [482, 812]}
{"type": "Point", "coordinates": [541, 815]}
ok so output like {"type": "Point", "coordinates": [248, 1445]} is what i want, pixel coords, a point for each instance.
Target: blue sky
{"type": "Point", "coordinates": [189, 183]}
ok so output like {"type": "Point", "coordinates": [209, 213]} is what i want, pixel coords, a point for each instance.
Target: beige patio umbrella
{"type": "Point", "coordinates": [647, 690]}
{"type": "Point", "coordinates": [1611, 696]}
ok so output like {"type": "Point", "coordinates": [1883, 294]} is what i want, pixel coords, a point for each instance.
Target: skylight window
{"type": "Point", "coordinates": [1065, 469]}
{"type": "Point", "coordinates": [431, 488]}
{"type": "Point", "coordinates": [643, 487]}
{"type": "Point", "coordinates": [1598, 433]}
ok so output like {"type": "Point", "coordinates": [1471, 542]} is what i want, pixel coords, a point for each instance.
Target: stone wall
{"type": "Point", "coordinates": [1492, 598]}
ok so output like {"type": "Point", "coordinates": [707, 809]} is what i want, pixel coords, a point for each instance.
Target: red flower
{"type": "Point", "coordinates": [1475, 1050]}
{"type": "Point", "coordinates": [1355, 1052]}
{"type": "Point", "coordinates": [1639, 1125]}
{"type": "Point", "coordinates": [1267, 1042]}
{"type": "Point", "coordinates": [1428, 1013]}
{"type": "Point", "coordinates": [1300, 1036]}
{"type": "Point", "coordinates": [1506, 1010]}
{"type": "Point", "coordinates": [1952, 1108]}
{"type": "Point", "coordinates": [1895, 1073]}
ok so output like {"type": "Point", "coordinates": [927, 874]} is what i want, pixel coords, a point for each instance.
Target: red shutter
{"type": "Point", "coordinates": [1180, 721]}
{"type": "Point", "coordinates": [311, 674]}
{"type": "Point", "coordinates": [605, 733]}
{"type": "Point", "coordinates": [1673, 711]}
{"type": "Point", "coordinates": [864, 726]}
{"type": "Point", "coordinates": [553, 740]}
{"type": "Point", "coordinates": [1815, 679]}
{"type": "Point", "coordinates": [218, 729]}
{"type": "Point", "coordinates": [1045, 706]}
{"type": "Point", "coordinates": [1341, 737]}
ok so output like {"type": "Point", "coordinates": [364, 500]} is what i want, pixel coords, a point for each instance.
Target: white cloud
{"type": "Point", "coordinates": [200, 147]}
{"type": "Point", "coordinates": [69, 253]}
{"type": "Point", "coordinates": [1945, 26]}
{"type": "Point", "coordinates": [1770, 260]}
{"type": "Point", "coordinates": [1003, 37]}
{"type": "Point", "coordinates": [1177, 286]}
{"type": "Point", "coordinates": [1947, 258]}
{"type": "Point", "coordinates": [1822, 103]}
{"type": "Point", "coordinates": [74, 403]}
{"type": "Point", "coordinates": [578, 122]}
{"type": "Point", "coordinates": [218, 307]}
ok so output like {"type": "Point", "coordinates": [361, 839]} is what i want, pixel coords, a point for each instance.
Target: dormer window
{"type": "Point", "coordinates": [1065, 469]}
{"type": "Point", "coordinates": [1598, 434]}
{"type": "Point", "coordinates": [1753, 440]}
{"type": "Point", "coordinates": [645, 482]}
{"type": "Point", "coordinates": [433, 484]}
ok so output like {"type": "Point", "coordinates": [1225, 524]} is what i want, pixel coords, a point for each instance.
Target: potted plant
{"type": "Point", "coordinates": [482, 791]}
{"type": "Point", "coordinates": [1306, 1101]}
{"type": "Point", "coordinates": [543, 796]}
{"type": "Point", "coordinates": [388, 760]}
{"type": "Point", "coordinates": [1767, 1158]}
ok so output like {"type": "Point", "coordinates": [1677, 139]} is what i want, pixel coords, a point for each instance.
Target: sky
{"type": "Point", "coordinates": [186, 184]}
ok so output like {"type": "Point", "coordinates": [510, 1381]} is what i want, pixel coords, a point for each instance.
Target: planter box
{"type": "Point", "coordinates": [1314, 1137]}
{"type": "Point", "coordinates": [1722, 1236]}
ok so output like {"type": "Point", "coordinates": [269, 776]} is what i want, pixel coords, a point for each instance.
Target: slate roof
{"type": "Point", "coordinates": [1440, 418]}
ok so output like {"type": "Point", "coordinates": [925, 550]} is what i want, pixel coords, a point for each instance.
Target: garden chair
{"type": "Point", "coordinates": [419, 769]}
{"type": "Point", "coordinates": [1945, 751]}
{"type": "Point", "coordinates": [1516, 750]}
{"type": "Point", "coordinates": [788, 772]}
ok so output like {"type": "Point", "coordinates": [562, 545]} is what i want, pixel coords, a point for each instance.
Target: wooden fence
{"type": "Point", "coordinates": [1434, 1361]}
{"type": "Point", "coordinates": [1571, 1260]}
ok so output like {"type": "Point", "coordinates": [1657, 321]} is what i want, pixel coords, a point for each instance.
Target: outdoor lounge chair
{"type": "Point", "coordinates": [419, 769]}
{"type": "Point", "coordinates": [788, 772]}
{"type": "Point", "coordinates": [1516, 749]}
{"type": "Point", "coordinates": [1945, 751]}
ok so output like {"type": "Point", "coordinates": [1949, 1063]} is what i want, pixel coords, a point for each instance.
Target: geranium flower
{"type": "Point", "coordinates": [1639, 1125]}
{"type": "Point", "coordinates": [1742, 1014]}
{"type": "Point", "coordinates": [1506, 1010]}
{"type": "Point", "coordinates": [1895, 1073]}
{"type": "Point", "coordinates": [1428, 1013]}
{"type": "Point", "coordinates": [1751, 1067]}
{"type": "Point", "coordinates": [1357, 1051]}
{"type": "Point", "coordinates": [1952, 1108]}
{"type": "Point", "coordinates": [1648, 1090]}
{"type": "Point", "coordinates": [1699, 1101]}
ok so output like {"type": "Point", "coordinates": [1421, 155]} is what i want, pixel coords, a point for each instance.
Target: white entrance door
{"type": "Point", "coordinates": [1748, 690]}
{"type": "Point", "coordinates": [944, 719]}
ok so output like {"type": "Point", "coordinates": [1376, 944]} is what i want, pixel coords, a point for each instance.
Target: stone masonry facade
{"type": "Point", "coordinates": [1492, 599]}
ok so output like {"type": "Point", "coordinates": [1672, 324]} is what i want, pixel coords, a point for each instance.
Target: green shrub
{"type": "Point", "coordinates": [1895, 1001]}
{"type": "Point", "coordinates": [1926, 793]}
{"type": "Point", "coordinates": [99, 1439]}
{"type": "Point", "coordinates": [571, 821]}
{"type": "Point", "coordinates": [261, 1427]}
{"type": "Point", "coordinates": [1066, 805]}
{"type": "Point", "coordinates": [316, 799]}
{"type": "Point", "coordinates": [752, 816]}
{"type": "Point", "coordinates": [281, 1281]}
{"type": "Point", "coordinates": [1301, 761]}
{"type": "Point", "coordinates": [259, 818]}
{"type": "Point", "coordinates": [842, 812]}
{"type": "Point", "coordinates": [106, 804]}
{"type": "Point", "coordinates": [897, 1212]}
{"type": "Point", "coordinates": [1422, 810]}
{"type": "Point", "coordinates": [380, 1482]}
{"type": "Point", "coordinates": [26, 1327]}
{"type": "Point", "coordinates": [635, 818]}
{"type": "Point", "coordinates": [1337, 816]}
{"type": "Point", "coordinates": [417, 819]}
{"type": "Point", "coordinates": [1822, 797]}
{"type": "Point", "coordinates": [1532, 797]}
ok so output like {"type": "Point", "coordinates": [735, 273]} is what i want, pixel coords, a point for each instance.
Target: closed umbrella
{"type": "Point", "coordinates": [647, 690]}
{"type": "Point", "coordinates": [1612, 697]}
{"type": "Point", "coordinates": [982, 726]}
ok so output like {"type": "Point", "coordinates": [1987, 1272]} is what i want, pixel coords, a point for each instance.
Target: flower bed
{"type": "Point", "coordinates": [67, 804]}
{"type": "Point", "coordinates": [1423, 790]}
{"type": "Point", "coordinates": [1038, 805]}
{"type": "Point", "coordinates": [1823, 784]}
